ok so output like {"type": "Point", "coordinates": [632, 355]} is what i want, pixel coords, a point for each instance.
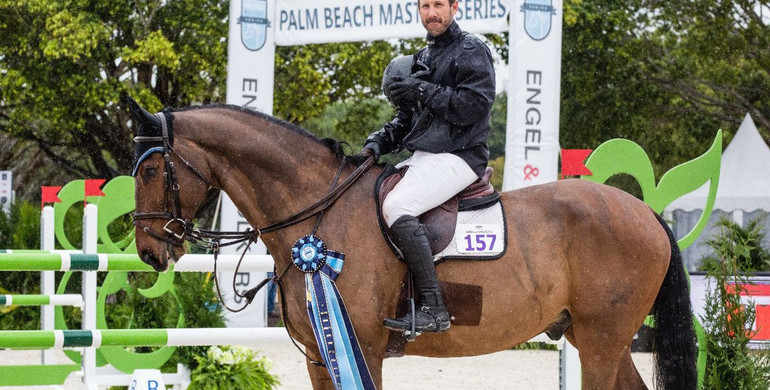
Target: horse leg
{"type": "Point", "coordinates": [628, 376]}
{"type": "Point", "coordinates": [600, 355]}
{"type": "Point", "coordinates": [319, 376]}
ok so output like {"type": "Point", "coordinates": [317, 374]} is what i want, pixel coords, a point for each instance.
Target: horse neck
{"type": "Point", "coordinates": [268, 170]}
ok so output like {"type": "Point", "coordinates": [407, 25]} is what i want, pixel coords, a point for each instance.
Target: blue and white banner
{"type": "Point", "coordinates": [251, 54]}
{"type": "Point", "coordinates": [532, 141]}
{"type": "Point", "coordinates": [299, 22]}
{"type": "Point", "coordinates": [250, 75]}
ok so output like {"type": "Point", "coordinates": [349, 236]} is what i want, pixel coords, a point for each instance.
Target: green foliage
{"type": "Point", "coordinates": [728, 324]}
{"type": "Point", "coordinates": [743, 243]}
{"type": "Point", "coordinates": [497, 123]}
{"type": "Point", "coordinates": [350, 121]}
{"type": "Point", "coordinates": [232, 368]}
{"type": "Point", "coordinates": [65, 64]}
{"type": "Point", "coordinates": [536, 346]}
{"type": "Point", "coordinates": [666, 76]}
{"type": "Point", "coordinates": [498, 165]}
{"type": "Point", "coordinates": [21, 228]}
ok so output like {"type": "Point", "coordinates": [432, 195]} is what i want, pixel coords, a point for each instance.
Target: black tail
{"type": "Point", "coordinates": [676, 354]}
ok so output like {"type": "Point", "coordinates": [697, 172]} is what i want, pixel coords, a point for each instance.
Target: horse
{"type": "Point", "coordinates": [584, 256]}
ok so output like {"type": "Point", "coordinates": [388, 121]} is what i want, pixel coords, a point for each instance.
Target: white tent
{"type": "Point", "coordinates": [743, 193]}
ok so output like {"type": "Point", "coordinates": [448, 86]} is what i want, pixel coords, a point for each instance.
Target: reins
{"type": "Point", "coordinates": [211, 239]}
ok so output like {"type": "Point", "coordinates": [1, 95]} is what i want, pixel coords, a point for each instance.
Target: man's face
{"type": "Point", "coordinates": [437, 15]}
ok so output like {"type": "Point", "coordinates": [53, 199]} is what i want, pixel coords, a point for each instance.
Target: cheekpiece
{"type": "Point", "coordinates": [309, 254]}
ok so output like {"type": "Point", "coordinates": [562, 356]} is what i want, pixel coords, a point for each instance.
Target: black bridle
{"type": "Point", "coordinates": [211, 239]}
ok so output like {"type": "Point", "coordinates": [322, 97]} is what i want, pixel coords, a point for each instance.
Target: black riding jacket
{"type": "Point", "coordinates": [453, 114]}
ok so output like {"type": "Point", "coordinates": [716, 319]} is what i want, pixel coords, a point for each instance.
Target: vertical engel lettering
{"type": "Point", "coordinates": [532, 116]}
{"type": "Point", "coordinates": [535, 92]}
{"type": "Point", "coordinates": [528, 148]}
{"type": "Point", "coordinates": [535, 133]}
{"type": "Point", "coordinates": [251, 99]}
{"type": "Point", "coordinates": [534, 77]}
{"type": "Point", "coordinates": [250, 85]}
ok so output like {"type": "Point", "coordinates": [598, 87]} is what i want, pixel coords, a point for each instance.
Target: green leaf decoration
{"type": "Point", "coordinates": [118, 200]}
{"type": "Point", "coordinates": [621, 156]}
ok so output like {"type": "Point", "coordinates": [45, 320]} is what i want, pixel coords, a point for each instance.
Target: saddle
{"type": "Point", "coordinates": [440, 221]}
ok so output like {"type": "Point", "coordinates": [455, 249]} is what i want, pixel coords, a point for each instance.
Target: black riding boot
{"type": "Point", "coordinates": [431, 315]}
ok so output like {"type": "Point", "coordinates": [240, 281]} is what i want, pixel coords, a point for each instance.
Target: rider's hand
{"type": "Point", "coordinates": [407, 92]}
{"type": "Point", "coordinates": [372, 149]}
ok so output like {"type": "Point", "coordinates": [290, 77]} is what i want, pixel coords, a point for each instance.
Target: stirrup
{"type": "Point", "coordinates": [408, 324]}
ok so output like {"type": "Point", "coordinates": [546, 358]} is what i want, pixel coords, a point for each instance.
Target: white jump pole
{"type": "Point", "coordinates": [47, 280]}
{"type": "Point", "coordinates": [89, 295]}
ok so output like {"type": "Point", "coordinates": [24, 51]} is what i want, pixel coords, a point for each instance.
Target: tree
{"type": "Point", "coordinates": [312, 77]}
{"type": "Point", "coordinates": [666, 75]}
{"type": "Point", "coordinates": [720, 63]}
{"type": "Point", "coordinates": [65, 64]}
{"type": "Point", "coordinates": [727, 321]}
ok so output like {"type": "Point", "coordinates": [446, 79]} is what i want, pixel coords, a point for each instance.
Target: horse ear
{"type": "Point", "coordinates": [147, 124]}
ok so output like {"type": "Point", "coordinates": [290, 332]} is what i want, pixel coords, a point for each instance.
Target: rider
{"type": "Point", "coordinates": [443, 101]}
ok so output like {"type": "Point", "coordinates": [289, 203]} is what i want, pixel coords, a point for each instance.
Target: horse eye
{"type": "Point", "coordinates": [150, 172]}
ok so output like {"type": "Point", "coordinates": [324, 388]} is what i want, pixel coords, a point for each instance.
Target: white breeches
{"type": "Point", "coordinates": [432, 179]}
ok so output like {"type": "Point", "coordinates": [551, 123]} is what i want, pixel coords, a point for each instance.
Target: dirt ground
{"type": "Point", "coordinates": [502, 370]}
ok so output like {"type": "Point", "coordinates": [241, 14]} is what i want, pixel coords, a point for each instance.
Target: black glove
{"type": "Point", "coordinates": [406, 92]}
{"type": "Point", "coordinates": [372, 149]}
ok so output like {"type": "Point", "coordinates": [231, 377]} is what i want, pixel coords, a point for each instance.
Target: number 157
{"type": "Point", "coordinates": [480, 242]}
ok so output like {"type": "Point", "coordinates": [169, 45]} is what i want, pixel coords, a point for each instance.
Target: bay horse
{"type": "Point", "coordinates": [590, 251]}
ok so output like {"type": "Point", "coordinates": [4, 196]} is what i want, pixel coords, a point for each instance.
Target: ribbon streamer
{"type": "Point", "coordinates": [333, 330]}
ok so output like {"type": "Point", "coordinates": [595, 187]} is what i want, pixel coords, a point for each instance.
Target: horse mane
{"type": "Point", "coordinates": [334, 145]}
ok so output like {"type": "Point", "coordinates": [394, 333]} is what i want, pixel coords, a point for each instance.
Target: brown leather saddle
{"type": "Point", "coordinates": [440, 221]}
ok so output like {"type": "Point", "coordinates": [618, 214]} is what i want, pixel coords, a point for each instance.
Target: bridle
{"type": "Point", "coordinates": [211, 239]}
{"type": "Point", "coordinates": [172, 204]}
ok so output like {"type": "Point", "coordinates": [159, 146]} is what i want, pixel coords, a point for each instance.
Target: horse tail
{"type": "Point", "coordinates": [674, 342]}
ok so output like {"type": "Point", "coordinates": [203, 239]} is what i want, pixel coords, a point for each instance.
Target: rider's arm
{"type": "Point", "coordinates": [392, 133]}
{"type": "Point", "coordinates": [474, 94]}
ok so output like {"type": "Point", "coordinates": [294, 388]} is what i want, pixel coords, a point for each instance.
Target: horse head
{"type": "Point", "coordinates": [169, 189]}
